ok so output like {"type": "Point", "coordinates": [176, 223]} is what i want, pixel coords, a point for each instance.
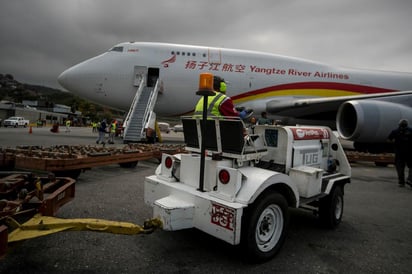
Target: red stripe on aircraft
{"type": "Point", "coordinates": [316, 85]}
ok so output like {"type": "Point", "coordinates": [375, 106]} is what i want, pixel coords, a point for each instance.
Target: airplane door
{"type": "Point", "coordinates": [215, 56]}
{"type": "Point", "coordinates": [139, 73]}
{"type": "Point", "coordinates": [152, 76]}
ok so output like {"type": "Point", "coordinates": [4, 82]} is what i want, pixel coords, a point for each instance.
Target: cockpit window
{"type": "Point", "coordinates": [118, 49]}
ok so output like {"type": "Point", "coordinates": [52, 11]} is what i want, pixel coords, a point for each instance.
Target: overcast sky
{"type": "Point", "coordinates": [39, 39]}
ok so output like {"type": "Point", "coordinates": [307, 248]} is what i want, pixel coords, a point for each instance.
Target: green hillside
{"type": "Point", "coordinates": [14, 91]}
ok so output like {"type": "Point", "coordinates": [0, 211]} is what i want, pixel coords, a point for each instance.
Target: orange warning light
{"type": "Point", "coordinates": [206, 84]}
{"type": "Point", "coordinates": [206, 81]}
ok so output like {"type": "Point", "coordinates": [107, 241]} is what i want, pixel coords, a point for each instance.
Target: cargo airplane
{"type": "Point", "coordinates": [363, 105]}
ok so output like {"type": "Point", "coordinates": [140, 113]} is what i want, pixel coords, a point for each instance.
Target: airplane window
{"type": "Point", "coordinates": [185, 53]}
{"type": "Point", "coordinates": [119, 49]}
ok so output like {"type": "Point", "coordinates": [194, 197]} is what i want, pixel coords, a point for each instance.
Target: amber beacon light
{"type": "Point", "coordinates": [205, 90]}
{"type": "Point", "coordinates": [205, 84]}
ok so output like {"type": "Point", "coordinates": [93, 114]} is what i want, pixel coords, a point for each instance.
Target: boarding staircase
{"type": "Point", "coordinates": [140, 113]}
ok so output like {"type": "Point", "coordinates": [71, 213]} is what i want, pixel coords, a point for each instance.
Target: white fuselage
{"type": "Point", "coordinates": [252, 78]}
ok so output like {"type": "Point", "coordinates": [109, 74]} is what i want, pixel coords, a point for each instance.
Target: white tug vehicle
{"type": "Point", "coordinates": [237, 184]}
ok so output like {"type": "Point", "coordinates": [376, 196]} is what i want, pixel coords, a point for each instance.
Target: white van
{"type": "Point", "coordinates": [164, 127]}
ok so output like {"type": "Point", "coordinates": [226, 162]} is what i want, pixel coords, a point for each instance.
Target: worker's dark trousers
{"type": "Point", "coordinates": [400, 163]}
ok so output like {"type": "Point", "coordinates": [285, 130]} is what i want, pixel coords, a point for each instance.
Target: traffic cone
{"type": "Point", "coordinates": [30, 130]}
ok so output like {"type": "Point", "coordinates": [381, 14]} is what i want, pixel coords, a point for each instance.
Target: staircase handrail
{"type": "Point", "coordinates": [133, 105]}
{"type": "Point", "coordinates": [151, 104]}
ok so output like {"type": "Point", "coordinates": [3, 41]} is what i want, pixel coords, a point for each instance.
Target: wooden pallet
{"type": "Point", "coordinates": [385, 158]}
{"type": "Point", "coordinates": [49, 164]}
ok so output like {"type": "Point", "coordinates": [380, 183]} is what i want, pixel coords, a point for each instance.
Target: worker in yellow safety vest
{"type": "Point", "coordinates": [219, 105]}
{"type": "Point", "coordinates": [68, 123]}
{"type": "Point", "coordinates": [112, 132]}
{"type": "Point", "coordinates": [94, 126]}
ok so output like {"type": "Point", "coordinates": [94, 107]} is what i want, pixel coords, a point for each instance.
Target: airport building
{"type": "Point", "coordinates": [35, 111]}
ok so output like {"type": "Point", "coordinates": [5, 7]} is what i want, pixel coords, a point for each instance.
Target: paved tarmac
{"type": "Point", "coordinates": [375, 235]}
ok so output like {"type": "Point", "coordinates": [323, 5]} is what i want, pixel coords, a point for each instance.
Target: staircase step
{"type": "Point", "coordinates": [135, 123]}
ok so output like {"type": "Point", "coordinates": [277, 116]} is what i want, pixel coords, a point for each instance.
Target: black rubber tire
{"type": "Point", "coordinates": [264, 226]}
{"type": "Point", "coordinates": [331, 208]}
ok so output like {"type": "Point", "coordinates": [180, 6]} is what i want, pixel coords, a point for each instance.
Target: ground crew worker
{"type": "Point", "coordinates": [112, 132]}
{"type": "Point", "coordinates": [68, 122]}
{"type": "Point", "coordinates": [219, 104]}
{"type": "Point", "coordinates": [264, 120]}
{"type": "Point", "coordinates": [94, 126]}
{"type": "Point", "coordinates": [251, 125]}
{"type": "Point", "coordinates": [403, 151]}
{"type": "Point", "coordinates": [102, 132]}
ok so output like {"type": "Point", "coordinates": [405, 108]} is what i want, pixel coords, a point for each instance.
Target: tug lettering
{"type": "Point", "coordinates": [223, 216]}
{"type": "Point", "coordinates": [310, 157]}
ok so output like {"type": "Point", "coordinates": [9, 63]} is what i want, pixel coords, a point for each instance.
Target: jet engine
{"type": "Point", "coordinates": [369, 122]}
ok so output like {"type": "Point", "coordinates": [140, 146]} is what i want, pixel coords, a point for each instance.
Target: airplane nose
{"type": "Point", "coordinates": [81, 78]}
{"type": "Point", "coordinates": [64, 79]}
{"type": "Point", "coordinates": [93, 79]}
{"type": "Point", "coordinates": [70, 79]}
{"type": "Point", "coordinates": [87, 77]}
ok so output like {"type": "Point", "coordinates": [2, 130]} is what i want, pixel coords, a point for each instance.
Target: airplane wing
{"type": "Point", "coordinates": [324, 108]}
{"type": "Point", "coordinates": [365, 119]}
